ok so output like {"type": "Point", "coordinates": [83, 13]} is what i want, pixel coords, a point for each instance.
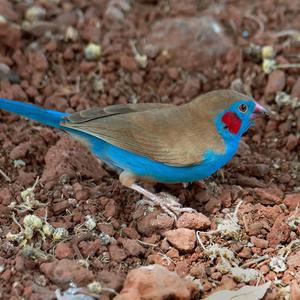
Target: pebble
{"type": "Point", "coordinates": [5, 196]}
{"type": "Point", "coordinates": [269, 195]}
{"type": "Point", "coordinates": [184, 40]}
{"type": "Point", "coordinates": [128, 63]}
{"type": "Point", "coordinates": [292, 142]}
{"type": "Point", "coordinates": [182, 239]}
{"type": "Point", "coordinates": [156, 282]}
{"type": "Point", "coordinates": [39, 60]}
{"type": "Point", "coordinates": [7, 11]}
{"type": "Point", "coordinates": [295, 291]}
{"type": "Point", "coordinates": [276, 82]}
{"type": "Point", "coordinates": [195, 221]}
{"type": "Point", "coordinates": [296, 89]}
{"type": "Point", "coordinates": [225, 198]}
{"type": "Point", "coordinates": [174, 73]}
{"type": "Point", "coordinates": [111, 209]}
{"type": "Point", "coordinates": [60, 206]}
{"type": "Point", "coordinates": [133, 247]}
{"type": "Point", "coordinates": [10, 35]}
{"type": "Point", "coordinates": [63, 250]}
{"type": "Point", "coordinates": [259, 170]}
{"type": "Point", "coordinates": [76, 159]}
{"type": "Point", "coordinates": [117, 254]}
{"type": "Point", "coordinates": [280, 232]}
{"type": "Point", "coordinates": [65, 271]}
{"type": "Point", "coordinates": [260, 243]}
{"type": "Point", "coordinates": [292, 201]}
{"type": "Point", "coordinates": [294, 260]}
{"type": "Point", "coordinates": [154, 222]}
{"type": "Point", "coordinates": [244, 180]}
{"type": "Point", "coordinates": [191, 88]}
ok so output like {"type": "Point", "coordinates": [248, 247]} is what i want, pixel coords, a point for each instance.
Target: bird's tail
{"type": "Point", "coordinates": [44, 116]}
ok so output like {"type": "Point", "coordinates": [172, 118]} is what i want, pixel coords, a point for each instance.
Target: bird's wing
{"type": "Point", "coordinates": [164, 133]}
{"type": "Point", "coordinates": [118, 109]}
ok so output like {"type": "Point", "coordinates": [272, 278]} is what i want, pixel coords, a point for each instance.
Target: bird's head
{"type": "Point", "coordinates": [233, 113]}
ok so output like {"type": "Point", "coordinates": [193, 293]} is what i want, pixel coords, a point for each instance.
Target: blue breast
{"type": "Point", "coordinates": [159, 172]}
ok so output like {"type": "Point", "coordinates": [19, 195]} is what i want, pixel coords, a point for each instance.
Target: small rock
{"type": "Point", "coordinates": [7, 11]}
{"type": "Point", "coordinates": [191, 88]}
{"type": "Point", "coordinates": [157, 258]}
{"type": "Point", "coordinates": [213, 205]}
{"type": "Point", "coordinates": [269, 196]}
{"type": "Point", "coordinates": [182, 238]}
{"type": "Point", "coordinates": [292, 142]}
{"type": "Point", "coordinates": [63, 250]}
{"type": "Point", "coordinates": [133, 247]}
{"type": "Point", "coordinates": [225, 198]}
{"type": "Point", "coordinates": [292, 201]}
{"type": "Point", "coordinates": [259, 170]}
{"type": "Point", "coordinates": [38, 60]}
{"type": "Point", "coordinates": [117, 9]}
{"type": "Point", "coordinates": [131, 233]}
{"type": "Point", "coordinates": [190, 42]}
{"type": "Point", "coordinates": [154, 222]}
{"type": "Point", "coordinates": [276, 82]}
{"type": "Point", "coordinates": [66, 271]}
{"type": "Point", "coordinates": [4, 71]}
{"type": "Point", "coordinates": [35, 13]}
{"type": "Point", "coordinates": [296, 89]}
{"type": "Point", "coordinates": [295, 291]}
{"type": "Point", "coordinates": [137, 79]}
{"type": "Point", "coordinates": [111, 209]}
{"type": "Point", "coordinates": [128, 63]}
{"type": "Point", "coordinates": [40, 28]}
{"type": "Point", "coordinates": [174, 73]}
{"type": "Point", "coordinates": [10, 35]}
{"type": "Point", "coordinates": [5, 196]}
{"type": "Point", "coordinates": [20, 151]}
{"type": "Point", "coordinates": [259, 243]}
{"type": "Point", "coordinates": [195, 221]}
{"type": "Point", "coordinates": [106, 229]}
{"type": "Point", "coordinates": [70, 158]}
{"type": "Point", "coordinates": [244, 180]}
{"type": "Point", "coordinates": [280, 232]}
{"type": "Point", "coordinates": [111, 279]}
{"type": "Point", "coordinates": [245, 253]}
{"type": "Point", "coordinates": [255, 228]}
{"type": "Point", "coordinates": [117, 254]}
{"type": "Point", "coordinates": [243, 149]}
{"type": "Point", "coordinates": [156, 282]}
{"type": "Point", "coordinates": [293, 260]}
{"type": "Point", "coordinates": [60, 206]}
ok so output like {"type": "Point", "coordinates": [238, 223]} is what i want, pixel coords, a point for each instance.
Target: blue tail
{"type": "Point", "coordinates": [44, 116]}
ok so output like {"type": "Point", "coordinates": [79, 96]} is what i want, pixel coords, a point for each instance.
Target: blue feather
{"type": "Point", "coordinates": [42, 115]}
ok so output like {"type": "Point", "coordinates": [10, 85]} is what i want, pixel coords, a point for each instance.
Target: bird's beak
{"type": "Point", "coordinates": [260, 111]}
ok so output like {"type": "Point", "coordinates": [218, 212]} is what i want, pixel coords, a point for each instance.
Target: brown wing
{"type": "Point", "coordinates": [118, 109]}
{"type": "Point", "coordinates": [164, 133]}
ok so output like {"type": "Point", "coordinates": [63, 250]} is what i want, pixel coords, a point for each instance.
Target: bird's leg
{"type": "Point", "coordinates": [167, 202]}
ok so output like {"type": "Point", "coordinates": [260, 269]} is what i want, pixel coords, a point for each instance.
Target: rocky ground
{"type": "Point", "coordinates": [66, 224]}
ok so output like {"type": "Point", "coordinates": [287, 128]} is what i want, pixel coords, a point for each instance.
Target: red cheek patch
{"type": "Point", "coordinates": [232, 122]}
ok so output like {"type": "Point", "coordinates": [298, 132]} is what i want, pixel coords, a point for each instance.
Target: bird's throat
{"type": "Point", "coordinates": [232, 122]}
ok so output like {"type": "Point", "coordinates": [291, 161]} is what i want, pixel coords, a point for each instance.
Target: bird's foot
{"type": "Point", "coordinates": [168, 203]}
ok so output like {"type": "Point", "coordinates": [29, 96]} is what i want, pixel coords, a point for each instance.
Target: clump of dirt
{"type": "Point", "coordinates": [67, 226]}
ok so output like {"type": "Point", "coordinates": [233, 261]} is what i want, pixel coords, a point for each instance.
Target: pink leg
{"type": "Point", "coordinates": [167, 202]}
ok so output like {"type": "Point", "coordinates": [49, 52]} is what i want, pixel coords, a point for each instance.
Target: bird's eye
{"type": "Point", "coordinates": [243, 108]}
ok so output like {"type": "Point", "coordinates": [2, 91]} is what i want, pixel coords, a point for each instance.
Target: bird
{"type": "Point", "coordinates": [157, 142]}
